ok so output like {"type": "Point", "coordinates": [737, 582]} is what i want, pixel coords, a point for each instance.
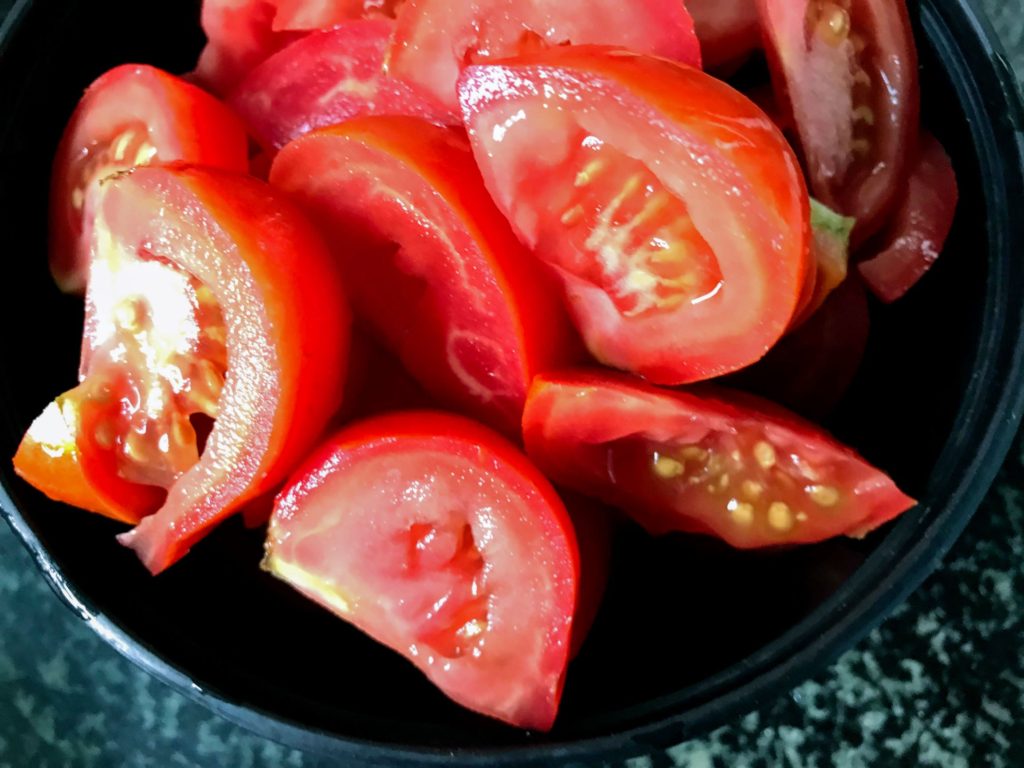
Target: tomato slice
{"type": "Point", "coordinates": [681, 241]}
{"type": "Point", "coordinates": [434, 270]}
{"type": "Point", "coordinates": [326, 78]}
{"type": "Point", "coordinates": [920, 226]}
{"type": "Point", "coordinates": [215, 347]}
{"type": "Point", "coordinates": [848, 69]}
{"type": "Point", "coordinates": [721, 464]}
{"type": "Point", "coordinates": [812, 367]}
{"type": "Point", "coordinates": [132, 115]}
{"type": "Point", "coordinates": [243, 33]}
{"type": "Point", "coordinates": [440, 540]}
{"type": "Point", "coordinates": [728, 31]}
{"type": "Point", "coordinates": [435, 39]}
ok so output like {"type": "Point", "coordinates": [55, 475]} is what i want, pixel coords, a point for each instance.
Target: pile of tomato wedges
{"type": "Point", "coordinates": [430, 283]}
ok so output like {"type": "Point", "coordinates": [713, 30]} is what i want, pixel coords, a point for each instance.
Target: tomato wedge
{"type": "Point", "coordinates": [243, 33]}
{"type": "Point", "coordinates": [435, 39]}
{"type": "Point", "coordinates": [132, 115]}
{"type": "Point", "coordinates": [440, 540]}
{"type": "Point", "coordinates": [920, 226]}
{"type": "Point", "coordinates": [433, 268]}
{"type": "Point", "coordinates": [721, 464]}
{"type": "Point", "coordinates": [681, 242]}
{"type": "Point", "coordinates": [848, 70]}
{"type": "Point", "coordinates": [728, 31]}
{"type": "Point", "coordinates": [830, 247]}
{"type": "Point", "coordinates": [214, 353]}
{"type": "Point", "coordinates": [326, 78]}
{"type": "Point", "coordinates": [592, 523]}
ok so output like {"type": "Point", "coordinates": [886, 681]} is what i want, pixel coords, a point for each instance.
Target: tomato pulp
{"type": "Point", "coordinates": [680, 239]}
{"type": "Point", "coordinates": [711, 462]}
{"type": "Point", "coordinates": [439, 539]}
{"type": "Point", "coordinates": [132, 115]}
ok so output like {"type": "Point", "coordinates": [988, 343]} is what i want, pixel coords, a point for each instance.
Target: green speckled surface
{"type": "Point", "coordinates": [941, 683]}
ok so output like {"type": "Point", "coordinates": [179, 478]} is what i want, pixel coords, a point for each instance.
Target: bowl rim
{"type": "Point", "coordinates": [988, 419]}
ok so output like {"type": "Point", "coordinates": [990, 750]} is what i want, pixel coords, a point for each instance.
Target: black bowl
{"type": "Point", "coordinates": [691, 633]}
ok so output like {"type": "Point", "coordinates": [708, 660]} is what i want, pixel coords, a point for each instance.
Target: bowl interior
{"type": "Point", "coordinates": [679, 610]}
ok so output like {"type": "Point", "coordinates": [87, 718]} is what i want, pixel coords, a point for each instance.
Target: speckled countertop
{"type": "Point", "coordinates": [941, 683]}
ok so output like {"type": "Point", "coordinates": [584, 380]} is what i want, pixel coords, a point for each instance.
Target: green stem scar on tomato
{"type": "Point", "coordinates": [215, 350]}
{"type": "Point", "coordinates": [437, 538]}
{"type": "Point", "coordinates": [712, 462]}
{"type": "Point", "coordinates": [132, 115]}
{"type": "Point", "coordinates": [432, 267]}
{"type": "Point", "coordinates": [671, 208]}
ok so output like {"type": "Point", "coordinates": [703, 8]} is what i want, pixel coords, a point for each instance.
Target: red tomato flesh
{"type": "Point", "coordinates": [326, 78]}
{"type": "Point", "coordinates": [728, 30]}
{"type": "Point", "coordinates": [919, 228]}
{"type": "Point", "coordinates": [435, 39]}
{"type": "Point", "coordinates": [681, 242]}
{"type": "Point", "coordinates": [214, 352]}
{"type": "Point", "coordinates": [438, 539]}
{"type": "Point", "coordinates": [132, 115]}
{"type": "Point", "coordinates": [721, 464]}
{"type": "Point", "coordinates": [433, 268]}
{"type": "Point", "coordinates": [848, 69]}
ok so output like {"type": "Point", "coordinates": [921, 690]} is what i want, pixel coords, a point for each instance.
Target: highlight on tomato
{"type": "Point", "coordinates": [435, 39]}
{"type": "Point", "coordinates": [326, 78]}
{"type": "Point", "coordinates": [439, 539]}
{"type": "Point", "coordinates": [215, 349]}
{"type": "Point", "coordinates": [847, 69]}
{"type": "Point", "coordinates": [681, 243]}
{"type": "Point", "coordinates": [432, 266]}
{"type": "Point", "coordinates": [917, 233]}
{"type": "Point", "coordinates": [712, 462]}
{"type": "Point", "coordinates": [132, 115]}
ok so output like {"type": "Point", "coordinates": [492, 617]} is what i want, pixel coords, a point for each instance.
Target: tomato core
{"type": "Point", "coordinates": [620, 229]}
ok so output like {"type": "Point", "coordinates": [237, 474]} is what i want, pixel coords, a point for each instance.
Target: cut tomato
{"type": "Point", "coordinates": [435, 39]}
{"type": "Point", "coordinates": [215, 348]}
{"type": "Point", "coordinates": [812, 367]}
{"type": "Point", "coordinates": [830, 247]}
{"type": "Point", "coordinates": [848, 70]}
{"type": "Point", "coordinates": [432, 266]}
{"type": "Point", "coordinates": [722, 464]}
{"type": "Point", "coordinates": [440, 540]}
{"type": "Point", "coordinates": [728, 31]}
{"type": "Point", "coordinates": [592, 523]}
{"type": "Point", "coordinates": [132, 115]}
{"type": "Point", "coordinates": [326, 78]}
{"type": "Point", "coordinates": [243, 33]}
{"type": "Point", "coordinates": [681, 241]}
{"type": "Point", "coordinates": [919, 228]}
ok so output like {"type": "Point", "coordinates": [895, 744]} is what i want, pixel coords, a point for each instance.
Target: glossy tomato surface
{"type": "Point", "coordinates": [671, 208]}
{"type": "Point", "coordinates": [435, 39]}
{"type": "Point", "coordinates": [920, 226]}
{"type": "Point", "coordinates": [326, 78]}
{"type": "Point", "coordinates": [711, 462]}
{"type": "Point", "coordinates": [215, 347]}
{"type": "Point", "coordinates": [433, 268]}
{"type": "Point", "coordinates": [848, 71]}
{"type": "Point", "coordinates": [439, 539]}
{"type": "Point", "coordinates": [728, 31]}
{"type": "Point", "coordinates": [132, 115]}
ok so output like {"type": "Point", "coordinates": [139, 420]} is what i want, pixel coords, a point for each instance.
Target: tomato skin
{"type": "Point", "coordinates": [593, 525]}
{"type": "Point", "coordinates": [181, 122]}
{"type": "Point", "coordinates": [325, 78]}
{"type": "Point", "coordinates": [288, 324]}
{"type": "Point", "coordinates": [337, 547]}
{"type": "Point", "coordinates": [919, 227]}
{"type": "Point", "coordinates": [609, 436]}
{"type": "Point", "coordinates": [728, 31]}
{"type": "Point", "coordinates": [882, 77]}
{"type": "Point", "coordinates": [653, 112]}
{"type": "Point", "coordinates": [434, 39]}
{"type": "Point", "coordinates": [459, 302]}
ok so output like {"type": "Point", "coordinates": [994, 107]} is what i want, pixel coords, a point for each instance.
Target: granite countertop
{"type": "Point", "coordinates": [940, 683]}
